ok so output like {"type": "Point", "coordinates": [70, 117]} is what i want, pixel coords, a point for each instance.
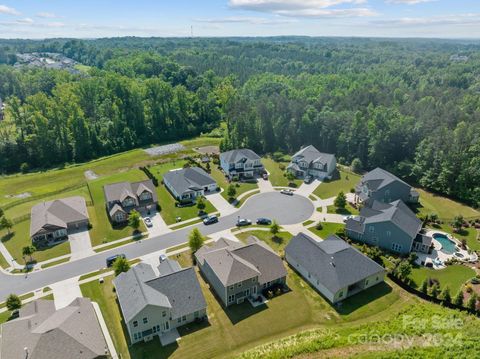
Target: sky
{"type": "Point", "coordinates": [179, 18]}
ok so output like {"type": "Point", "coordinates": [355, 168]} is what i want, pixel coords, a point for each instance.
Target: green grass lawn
{"type": "Point", "coordinates": [54, 263]}
{"type": "Point", "coordinates": [446, 209]}
{"type": "Point", "coordinates": [243, 200]}
{"type": "Point", "coordinates": [348, 210]}
{"type": "Point", "coordinates": [278, 243]}
{"type": "Point", "coordinates": [223, 183]}
{"type": "Point", "coordinates": [330, 189]}
{"type": "Point", "coordinates": [328, 229]}
{"type": "Point", "coordinates": [3, 262]}
{"type": "Point", "coordinates": [453, 276]}
{"type": "Point", "coordinates": [277, 175]}
{"type": "Point", "coordinates": [4, 316]}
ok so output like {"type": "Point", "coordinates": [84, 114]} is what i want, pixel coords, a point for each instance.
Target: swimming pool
{"type": "Point", "coordinates": [447, 245]}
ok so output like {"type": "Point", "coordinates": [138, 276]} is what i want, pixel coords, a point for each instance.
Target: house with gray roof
{"type": "Point", "coordinates": [391, 226]}
{"type": "Point", "coordinates": [241, 163]}
{"type": "Point", "coordinates": [52, 221]}
{"type": "Point", "coordinates": [41, 332]}
{"type": "Point", "coordinates": [187, 184]}
{"type": "Point", "coordinates": [383, 186]}
{"type": "Point", "coordinates": [311, 162]}
{"type": "Point", "coordinates": [238, 271]}
{"type": "Point", "coordinates": [154, 305]}
{"type": "Point", "coordinates": [333, 267]}
{"type": "Point", "coordinates": [123, 197]}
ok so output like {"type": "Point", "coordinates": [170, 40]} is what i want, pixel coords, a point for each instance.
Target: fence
{"type": "Point", "coordinates": [21, 218]}
{"type": "Point", "coordinates": [150, 175]}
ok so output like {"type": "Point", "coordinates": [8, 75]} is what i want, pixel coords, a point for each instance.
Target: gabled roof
{"type": "Point", "coordinates": [188, 179]}
{"type": "Point", "coordinates": [57, 214]}
{"type": "Point", "coordinates": [176, 289]}
{"type": "Point", "coordinates": [71, 332]}
{"type": "Point", "coordinates": [234, 262]}
{"type": "Point", "coordinates": [116, 208]}
{"type": "Point", "coordinates": [395, 212]}
{"type": "Point", "coordinates": [234, 156]}
{"type": "Point", "coordinates": [311, 155]}
{"type": "Point", "coordinates": [333, 261]}
{"type": "Point", "coordinates": [117, 192]}
{"type": "Point", "coordinates": [379, 178]}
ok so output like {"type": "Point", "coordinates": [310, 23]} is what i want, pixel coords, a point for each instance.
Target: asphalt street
{"type": "Point", "coordinates": [284, 209]}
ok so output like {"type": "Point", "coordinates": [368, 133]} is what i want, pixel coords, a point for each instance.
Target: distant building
{"type": "Point", "coordinates": [242, 163]}
{"type": "Point", "coordinates": [152, 306]}
{"type": "Point", "coordinates": [41, 332]}
{"type": "Point", "coordinates": [52, 221]}
{"type": "Point", "coordinates": [187, 184]}
{"type": "Point", "coordinates": [311, 162]}
{"type": "Point", "coordinates": [335, 268]}
{"type": "Point", "coordinates": [391, 226]}
{"type": "Point", "coordinates": [123, 197]}
{"type": "Point", "coordinates": [382, 186]}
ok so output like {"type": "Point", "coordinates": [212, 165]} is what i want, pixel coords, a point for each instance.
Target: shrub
{"type": "Point", "coordinates": [13, 302]}
{"type": "Point", "coordinates": [319, 226]}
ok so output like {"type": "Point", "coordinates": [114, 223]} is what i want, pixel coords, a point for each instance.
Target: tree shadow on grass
{"type": "Point", "coordinates": [7, 237]}
{"type": "Point", "coordinates": [362, 298]}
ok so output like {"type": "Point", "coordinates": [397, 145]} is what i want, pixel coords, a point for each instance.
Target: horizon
{"type": "Point", "coordinates": [423, 19]}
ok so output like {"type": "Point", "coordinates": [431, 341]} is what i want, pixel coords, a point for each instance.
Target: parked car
{"type": "Point", "coordinates": [210, 220]}
{"type": "Point", "coordinates": [264, 221]}
{"type": "Point", "coordinates": [162, 257]}
{"type": "Point", "coordinates": [347, 218]}
{"type": "Point", "coordinates": [308, 179]}
{"type": "Point", "coordinates": [148, 222]}
{"type": "Point", "coordinates": [288, 192]}
{"type": "Point", "coordinates": [265, 176]}
{"type": "Point", "coordinates": [241, 222]}
{"type": "Point", "coordinates": [110, 260]}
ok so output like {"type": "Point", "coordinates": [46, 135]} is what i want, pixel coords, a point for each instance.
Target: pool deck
{"type": "Point", "coordinates": [439, 254]}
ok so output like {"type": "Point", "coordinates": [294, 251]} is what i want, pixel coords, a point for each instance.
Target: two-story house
{"type": "Point", "coordinates": [241, 163]}
{"type": "Point", "coordinates": [392, 226]}
{"type": "Point", "coordinates": [154, 305]}
{"type": "Point", "coordinates": [238, 271]}
{"type": "Point", "coordinates": [335, 268]}
{"type": "Point", "coordinates": [187, 184]}
{"type": "Point", "coordinates": [311, 162]}
{"type": "Point", "coordinates": [383, 186]}
{"type": "Point", "coordinates": [123, 197]}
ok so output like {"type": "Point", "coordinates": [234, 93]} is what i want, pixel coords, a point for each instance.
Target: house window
{"type": "Point", "coordinates": [158, 328]}
{"type": "Point", "coordinates": [231, 298]}
{"type": "Point", "coordinates": [179, 320]}
{"type": "Point", "coordinates": [154, 329]}
{"type": "Point", "coordinates": [195, 314]}
{"type": "Point", "coordinates": [389, 234]}
{"type": "Point", "coordinates": [232, 287]}
{"type": "Point", "coordinates": [135, 324]}
{"type": "Point", "coordinates": [135, 336]}
{"type": "Point", "coordinates": [119, 217]}
{"type": "Point", "coordinates": [396, 247]}
{"type": "Point", "coordinates": [371, 229]}
{"type": "Point", "coordinates": [340, 295]}
{"type": "Point", "coordinates": [145, 196]}
{"type": "Point", "coordinates": [184, 318]}
{"type": "Point", "coordinates": [164, 314]}
{"type": "Point", "coordinates": [239, 284]}
{"type": "Point", "coordinates": [145, 320]}
{"type": "Point", "coordinates": [253, 280]}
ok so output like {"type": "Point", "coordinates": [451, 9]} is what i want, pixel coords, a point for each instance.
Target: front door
{"type": "Point", "coordinates": [167, 326]}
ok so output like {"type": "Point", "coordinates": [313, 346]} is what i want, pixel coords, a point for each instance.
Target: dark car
{"type": "Point", "coordinates": [210, 220]}
{"type": "Point", "coordinates": [110, 260]}
{"type": "Point", "coordinates": [243, 222]}
{"type": "Point", "coordinates": [308, 179]}
{"type": "Point", "coordinates": [264, 221]}
{"type": "Point", "coordinates": [265, 176]}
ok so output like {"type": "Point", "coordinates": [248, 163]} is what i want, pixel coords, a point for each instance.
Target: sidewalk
{"type": "Point", "coordinates": [8, 257]}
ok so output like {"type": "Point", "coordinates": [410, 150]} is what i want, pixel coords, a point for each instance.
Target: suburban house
{"type": "Point", "coordinates": [187, 184]}
{"type": "Point", "coordinates": [123, 197]}
{"type": "Point", "coordinates": [238, 271]}
{"type": "Point", "coordinates": [392, 226]}
{"type": "Point", "coordinates": [52, 221]}
{"type": "Point", "coordinates": [383, 186]}
{"type": "Point", "coordinates": [311, 162]}
{"type": "Point", "coordinates": [242, 163]}
{"type": "Point", "coordinates": [333, 267]}
{"type": "Point", "coordinates": [42, 332]}
{"type": "Point", "coordinates": [155, 305]}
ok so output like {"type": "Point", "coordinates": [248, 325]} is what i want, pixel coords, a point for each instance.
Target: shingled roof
{"type": "Point", "coordinates": [188, 179]}
{"type": "Point", "coordinates": [333, 261]}
{"type": "Point", "coordinates": [234, 156]}
{"type": "Point", "coordinates": [46, 333]}
{"type": "Point", "coordinates": [117, 192]}
{"type": "Point", "coordinates": [378, 178]}
{"type": "Point", "coordinates": [57, 214]}
{"type": "Point", "coordinates": [311, 155]}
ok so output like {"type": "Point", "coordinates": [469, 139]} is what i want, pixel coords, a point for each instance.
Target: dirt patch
{"type": "Point", "coordinates": [207, 150]}
{"type": "Point", "coordinates": [90, 175]}
{"type": "Point", "coordinates": [20, 195]}
{"type": "Point", "coordinates": [165, 150]}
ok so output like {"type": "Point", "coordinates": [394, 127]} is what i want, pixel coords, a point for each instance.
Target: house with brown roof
{"type": "Point", "coordinates": [123, 197]}
{"type": "Point", "coordinates": [42, 332]}
{"type": "Point", "coordinates": [238, 271]}
{"type": "Point", "coordinates": [52, 221]}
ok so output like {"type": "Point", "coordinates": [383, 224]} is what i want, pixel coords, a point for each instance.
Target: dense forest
{"type": "Point", "coordinates": [410, 106]}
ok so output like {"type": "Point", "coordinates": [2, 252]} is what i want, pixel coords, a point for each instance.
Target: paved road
{"type": "Point", "coordinates": [285, 209]}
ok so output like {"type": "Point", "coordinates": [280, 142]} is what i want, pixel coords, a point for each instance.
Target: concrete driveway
{"type": "Point", "coordinates": [307, 189]}
{"type": "Point", "coordinates": [65, 292]}
{"type": "Point", "coordinates": [221, 204]}
{"type": "Point", "coordinates": [265, 185]}
{"type": "Point", "coordinates": [159, 226]}
{"type": "Point", "coordinates": [80, 244]}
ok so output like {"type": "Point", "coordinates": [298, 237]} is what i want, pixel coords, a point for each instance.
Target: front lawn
{"type": "Point", "coordinates": [222, 182]}
{"type": "Point", "coordinates": [276, 175]}
{"type": "Point", "coordinates": [278, 243]}
{"type": "Point", "coordinates": [348, 210]}
{"type": "Point", "coordinates": [345, 183]}
{"type": "Point", "coordinates": [453, 276]}
{"type": "Point", "coordinates": [327, 229]}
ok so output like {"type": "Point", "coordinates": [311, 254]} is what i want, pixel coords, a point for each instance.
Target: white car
{"type": "Point", "coordinates": [148, 222]}
{"type": "Point", "coordinates": [288, 192]}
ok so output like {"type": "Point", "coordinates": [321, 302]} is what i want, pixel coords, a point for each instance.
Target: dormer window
{"type": "Point", "coordinates": [128, 202]}
{"type": "Point", "coordinates": [145, 196]}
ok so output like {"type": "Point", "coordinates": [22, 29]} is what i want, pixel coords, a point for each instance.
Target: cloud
{"type": "Point", "coordinates": [246, 20]}
{"type": "Point", "coordinates": [304, 8]}
{"type": "Point", "coordinates": [408, 2]}
{"type": "Point", "coordinates": [25, 21]}
{"type": "Point", "coordinates": [8, 10]}
{"type": "Point", "coordinates": [47, 15]}
{"type": "Point", "coordinates": [459, 20]}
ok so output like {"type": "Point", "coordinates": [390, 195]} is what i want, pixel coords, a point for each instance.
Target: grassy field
{"type": "Point", "coordinates": [278, 243]}
{"type": "Point", "coordinates": [234, 330]}
{"type": "Point", "coordinates": [328, 229]}
{"type": "Point", "coordinates": [277, 175]}
{"type": "Point", "coordinates": [330, 189]}
{"type": "Point", "coordinates": [446, 209]}
{"type": "Point", "coordinates": [223, 183]}
{"type": "Point", "coordinates": [453, 276]}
